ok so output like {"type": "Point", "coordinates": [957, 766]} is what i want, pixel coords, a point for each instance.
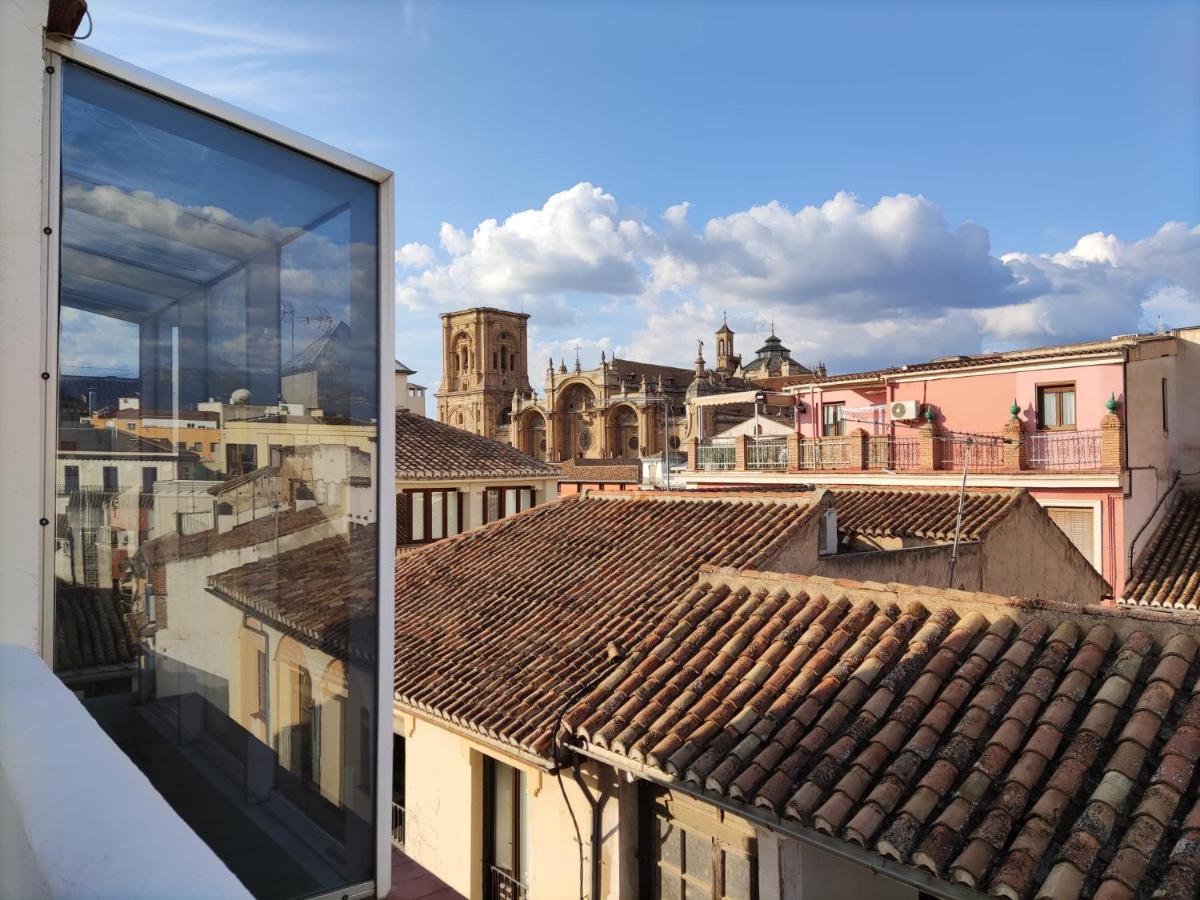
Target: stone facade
{"type": "Point", "coordinates": [484, 364]}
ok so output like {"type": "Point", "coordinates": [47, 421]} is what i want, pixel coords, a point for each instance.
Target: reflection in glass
{"type": "Point", "coordinates": [215, 552]}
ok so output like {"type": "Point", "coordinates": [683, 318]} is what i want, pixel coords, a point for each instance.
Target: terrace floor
{"type": "Point", "coordinates": [411, 882]}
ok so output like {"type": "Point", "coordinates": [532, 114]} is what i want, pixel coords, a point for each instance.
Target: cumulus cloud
{"type": "Point", "coordinates": [847, 282]}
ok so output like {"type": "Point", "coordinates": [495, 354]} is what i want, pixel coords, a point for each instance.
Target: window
{"type": "Point", "coordinates": [202, 265]}
{"type": "Point", "coordinates": [1164, 406]}
{"type": "Point", "coordinates": [1078, 523]}
{"type": "Point", "coordinates": [1056, 407]}
{"type": "Point", "coordinates": [398, 792]}
{"type": "Point", "coordinates": [504, 831]}
{"type": "Point", "coordinates": [499, 502]}
{"type": "Point", "coordinates": [264, 703]}
{"type": "Point", "coordinates": [833, 423]}
{"type": "Point", "coordinates": [212, 448]}
{"type": "Point", "coordinates": [429, 515]}
{"type": "Point", "coordinates": [71, 480]}
{"type": "Point", "coordinates": [696, 851]}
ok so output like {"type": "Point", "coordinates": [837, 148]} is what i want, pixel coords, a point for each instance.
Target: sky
{"type": "Point", "coordinates": [885, 183]}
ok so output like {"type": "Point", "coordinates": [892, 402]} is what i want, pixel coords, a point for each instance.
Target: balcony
{"type": "Point", "coordinates": [77, 817]}
{"type": "Point", "coordinates": [504, 887]}
{"type": "Point", "coordinates": [919, 450]}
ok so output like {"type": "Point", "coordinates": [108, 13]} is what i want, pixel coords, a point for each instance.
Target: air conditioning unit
{"type": "Point", "coordinates": [291, 409]}
{"type": "Point", "coordinates": [905, 410]}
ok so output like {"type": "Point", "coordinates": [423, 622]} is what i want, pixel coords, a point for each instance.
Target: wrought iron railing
{"type": "Point", "coordinates": [896, 454]}
{"type": "Point", "coordinates": [716, 456]}
{"type": "Point", "coordinates": [1063, 450]}
{"type": "Point", "coordinates": [504, 886]}
{"type": "Point", "coordinates": [987, 451]}
{"type": "Point", "coordinates": [397, 824]}
{"type": "Point", "coordinates": [767, 453]}
{"type": "Point", "coordinates": [826, 453]}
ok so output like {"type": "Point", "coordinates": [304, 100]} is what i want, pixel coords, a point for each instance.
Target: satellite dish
{"type": "Point", "coordinates": [239, 397]}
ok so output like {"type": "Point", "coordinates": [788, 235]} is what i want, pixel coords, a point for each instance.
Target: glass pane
{"type": "Point", "coordinates": [492, 499]}
{"type": "Point", "coordinates": [669, 885]}
{"type": "Point", "coordinates": [452, 512]}
{"type": "Point", "coordinates": [217, 438]}
{"type": "Point", "coordinates": [436, 505]}
{"type": "Point", "coordinates": [503, 801]}
{"type": "Point", "coordinates": [1050, 409]}
{"type": "Point", "coordinates": [1068, 407]}
{"type": "Point", "coordinates": [510, 501]}
{"type": "Point", "coordinates": [418, 515]}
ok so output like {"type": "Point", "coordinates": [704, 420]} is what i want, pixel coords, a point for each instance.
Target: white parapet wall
{"type": "Point", "coordinates": [77, 817]}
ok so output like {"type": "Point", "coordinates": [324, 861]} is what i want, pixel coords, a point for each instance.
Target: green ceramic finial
{"type": "Point", "coordinates": [1111, 405]}
{"type": "Point", "coordinates": [929, 414]}
{"type": "Point", "coordinates": [1014, 410]}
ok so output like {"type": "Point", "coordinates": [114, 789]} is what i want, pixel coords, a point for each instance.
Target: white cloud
{"type": "Point", "coordinates": [415, 256]}
{"type": "Point", "coordinates": [847, 282]}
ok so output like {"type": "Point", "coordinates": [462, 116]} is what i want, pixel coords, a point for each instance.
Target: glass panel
{"type": "Point", "coordinates": [669, 843]}
{"type": "Point", "coordinates": [492, 498]}
{"type": "Point", "coordinates": [218, 406]}
{"type": "Point", "coordinates": [737, 877]}
{"type": "Point", "coordinates": [697, 856]}
{"type": "Point", "coordinates": [510, 501]}
{"type": "Point", "coordinates": [436, 505]}
{"type": "Point", "coordinates": [452, 512]}
{"type": "Point", "coordinates": [1049, 409]}
{"type": "Point", "coordinates": [503, 802]}
{"type": "Point", "coordinates": [418, 515]}
{"type": "Point", "coordinates": [669, 885]}
{"type": "Point", "coordinates": [1068, 407]}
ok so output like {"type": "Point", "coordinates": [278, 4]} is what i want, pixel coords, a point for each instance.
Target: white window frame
{"type": "Point", "coordinates": [59, 49]}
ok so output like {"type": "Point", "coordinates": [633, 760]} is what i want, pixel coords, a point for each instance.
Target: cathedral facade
{"type": "Point", "coordinates": [619, 409]}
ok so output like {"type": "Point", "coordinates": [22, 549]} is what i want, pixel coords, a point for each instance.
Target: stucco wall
{"type": "Point", "coordinates": [22, 304]}
{"type": "Point", "coordinates": [980, 402]}
{"type": "Point", "coordinates": [790, 870]}
{"type": "Point", "coordinates": [910, 565]}
{"type": "Point", "coordinates": [1027, 555]}
{"type": "Point", "coordinates": [444, 819]}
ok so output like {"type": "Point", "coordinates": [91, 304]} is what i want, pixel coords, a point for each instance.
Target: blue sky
{"type": "Point", "coordinates": [886, 182]}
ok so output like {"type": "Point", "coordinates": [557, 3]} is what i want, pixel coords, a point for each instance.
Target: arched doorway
{"type": "Point", "coordinates": [623, 431]}
{"type": "Point", "coordinates": [531, 437]}
{"type": "Point", "coordinates": [573, 437]}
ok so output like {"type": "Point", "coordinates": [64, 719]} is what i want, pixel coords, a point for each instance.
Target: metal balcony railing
{"type": "Point", "coordinates": [1063, 450]}
{"type": "Point", "coordinates": [896, 454]}
{"type": "Point", "coordinates": [504, 886]}
{"type": "Point", "coordinates": [826, 453]}
{"type": "Point", "coordinates": [987, 451]}
{"type": "Point", "coordinates": [397, 824]}
{"type": "Point", "coordinates": [763, 453]}
{"type": "Point", "coordinates": [716, 456]}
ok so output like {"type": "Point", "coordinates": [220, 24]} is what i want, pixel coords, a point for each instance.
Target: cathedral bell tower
{"type": "Point", "coordinates": [727, 361]}
{"type": "Point", "coordinates": [483, 364]}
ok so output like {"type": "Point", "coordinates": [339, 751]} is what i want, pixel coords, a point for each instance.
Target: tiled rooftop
{"type": "Point", "coordinates": [171, 547]}
{"type": "Point", "coordinates": [497, 627]}
{"type": "Point", "coordinates": [1168, 573]}
{"type": "Point", "coordinates": [595, 471]}
{"type": "Point", "coordinates": [427, 449]}
{"type": "Point", "coordinates": [923, 513]}
{"type": "Point", "coordinates": [1022, 749]}
{"type": "Point", "coordinates": [314, 592]}
{"type": "Point", "coordinates": [91, 629]}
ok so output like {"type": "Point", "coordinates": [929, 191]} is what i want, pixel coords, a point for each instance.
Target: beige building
{"type": "Point", "coordinates": [484, 362]}
{"type": "Point", "coordinates": [511, 639]}
{"type": "Point", "coordinates": [449, 481]}
{"type": "Point", "coordinates": [409, 394]}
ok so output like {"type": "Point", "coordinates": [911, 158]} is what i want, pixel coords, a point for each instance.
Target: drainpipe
{"type": "Point", "coordinates": [596, 804]}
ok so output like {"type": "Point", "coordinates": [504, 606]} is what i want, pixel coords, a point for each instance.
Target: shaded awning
{"type": "Point", "coordinates": [770, 398]}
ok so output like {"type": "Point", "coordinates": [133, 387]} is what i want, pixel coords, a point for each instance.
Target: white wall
{"type": "Point", "coordinates": [77, 818]}
{"type": "Point", "coordinates": [22, 252]}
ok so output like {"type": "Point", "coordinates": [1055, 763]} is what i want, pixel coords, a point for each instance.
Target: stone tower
{"type": "Point", "coordinates": [727, 361]}
{"type": "Point", "coordinates": [484, 362]}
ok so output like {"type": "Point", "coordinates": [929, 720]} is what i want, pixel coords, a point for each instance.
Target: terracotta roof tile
{"type": "Point", "coordinates": [1168, 573]}
{"type": "Point", "coordinates": [427, 449]}
{"type": "Point", "coordinates": [91, 629]}
{"type": "Point", "coordinates": [919, 512]}
{"type": "Point", "coordinates": [1003, 748]}
{"type": "Point", "coordinates": [515, 617]}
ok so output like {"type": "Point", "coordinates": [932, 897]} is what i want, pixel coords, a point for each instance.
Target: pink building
{"type": "Point", "coordinates": [1097, 433]}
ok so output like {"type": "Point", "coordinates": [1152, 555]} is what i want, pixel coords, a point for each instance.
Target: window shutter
{"type": "Point", "coordinates": [1078, 525]}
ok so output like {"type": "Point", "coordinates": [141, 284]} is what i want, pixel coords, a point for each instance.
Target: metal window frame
{"type": "Point", "coordinates": [56, 51]}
